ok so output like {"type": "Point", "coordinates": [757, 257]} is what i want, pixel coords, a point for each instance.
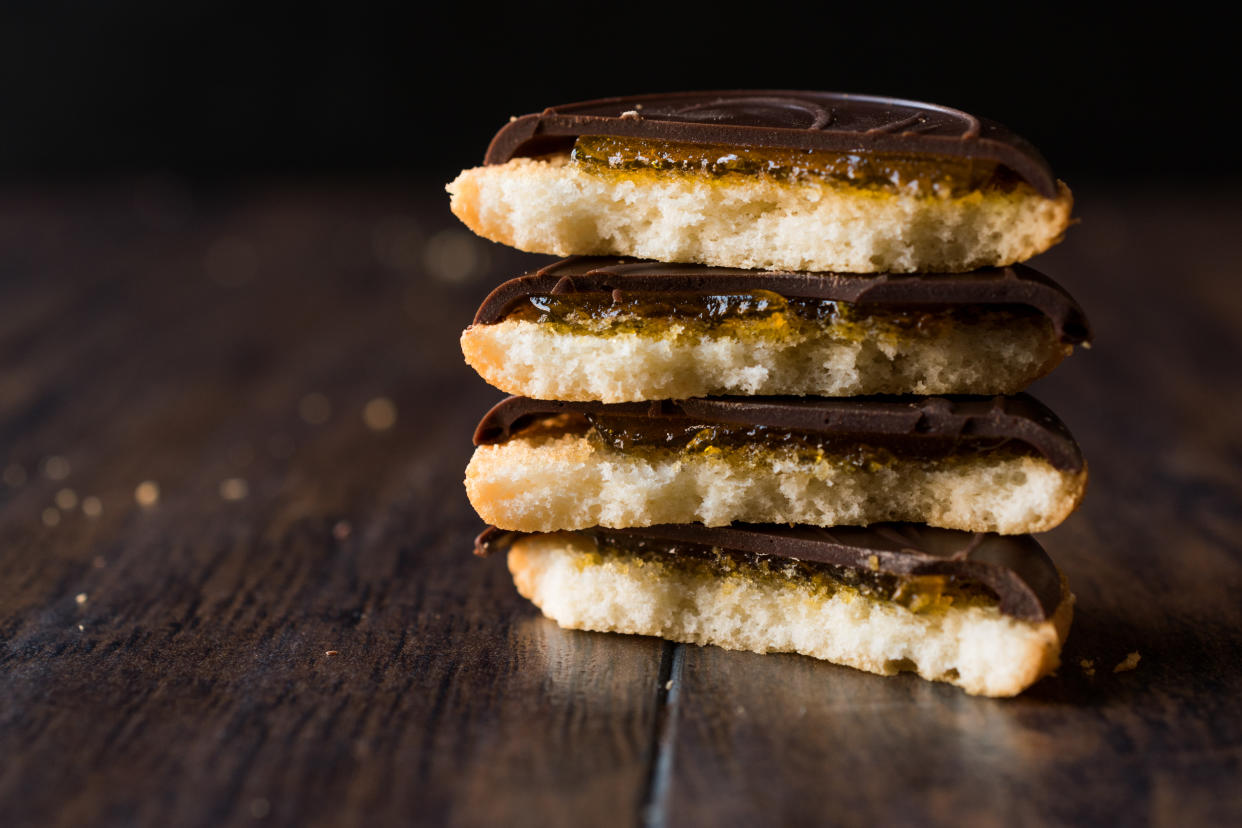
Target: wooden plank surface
{"type": "Point", "coordinates": [1154, 557]}
{"type": "Point", "coordinates": [295, 633]}
{"type": "Point", "coordinates": [325, 650]}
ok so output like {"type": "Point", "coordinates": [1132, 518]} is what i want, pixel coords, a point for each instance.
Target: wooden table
{"type": "Point", "coordinates": [290, 629]}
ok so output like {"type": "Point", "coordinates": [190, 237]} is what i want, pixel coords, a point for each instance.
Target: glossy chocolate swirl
{"type": "Point", "coordinates": [1004, 286]}
{"type": "Point", "coordinates": [816, 121]}
{"type": "Point", "coordinates": [920, 426]}
{"type": "Point", "coordinates": [1013, 567]}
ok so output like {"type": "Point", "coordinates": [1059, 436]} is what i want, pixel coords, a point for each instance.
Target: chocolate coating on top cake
{"type": "Point", "coordinates": [830, 121]}
{"type": "Point", "coordinates": [1016, 285]}
{"type": "Point", "coordinates": [1014, 567]}
{"type": "Point", "coordinates": [920, 425]}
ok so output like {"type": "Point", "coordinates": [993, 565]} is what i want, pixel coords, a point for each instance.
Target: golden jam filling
{"type": "Point", "coordinates": [754, 442]}
{"type": "Point", "coordinates": [577, 308]}
{"type": "Point", "coordinates": [653, 312]}
{"type": "Point", "coordinates": [655, 437]}
{"type": "Point", "coordinates": [919, 175]}
{"type": "Point", "coordinates": [918, 593]}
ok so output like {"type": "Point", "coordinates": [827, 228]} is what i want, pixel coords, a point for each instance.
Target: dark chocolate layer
{"type": "Point", "coordinates": [1016, 285]}
{"type": "Point", "coordinates": [921, 425]}
{"type": "Point", "coordinates": [1014, 567]}
{"type": "Point", "coordinates": [830, 121]}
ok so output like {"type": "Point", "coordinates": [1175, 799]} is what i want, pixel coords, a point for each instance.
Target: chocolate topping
{"type": "Point", "coordinates": [1016, 285]}
{"type": "Point", "coordinates": [915, 424]}
{"type": "Point", "coordinates": [1014, 567]}
{"type": "Point", "coordinates": [774, 118]}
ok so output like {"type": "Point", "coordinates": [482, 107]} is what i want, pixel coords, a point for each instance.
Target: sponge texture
{"type": "Point", "coordinates": [674, 361]}
{"type": "Point", "coordinates": [550, 205]}
{"type": "Point", "coordinates": [549, 483]}
{"type": "Point", "coordinates": [975, 647]}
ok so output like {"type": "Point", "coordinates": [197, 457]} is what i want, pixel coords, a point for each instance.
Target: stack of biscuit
{"type": "Point", "coordinates": [773, 400]}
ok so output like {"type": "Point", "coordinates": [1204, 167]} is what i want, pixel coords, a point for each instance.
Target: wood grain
{"type": "Point", "coordinates": [323, 649]}
{"type": "Point", "coordinates": [1154, 556]}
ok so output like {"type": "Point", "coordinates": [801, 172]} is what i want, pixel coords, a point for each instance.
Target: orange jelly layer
{"type": "Point", "coordinates": [907, 174]}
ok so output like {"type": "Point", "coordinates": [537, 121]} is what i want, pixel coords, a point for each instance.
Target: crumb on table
{"type": "Point", "coordinates": [1128, 663]}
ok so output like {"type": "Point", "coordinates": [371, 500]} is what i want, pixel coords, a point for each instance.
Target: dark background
{"type": "Point", "coordinates": [234, 89]}
{"type": "Point", "coordinates": [212, 213]}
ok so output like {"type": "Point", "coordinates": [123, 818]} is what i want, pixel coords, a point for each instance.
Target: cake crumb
{"type": "Point", "coordinates": [454, 256]}
{"type": "Point", "coordinates": [630, 115]}
{"type": "Point", "coordinates": [331, 652]}
{"type": "Point", "coordinates": [56, 467]}
{"type": "Point", "coordinates": [380, 414]}
{"type": "Point", "coordinates": [234, 488]}
{"type": "Point", "coordinates": [873, 563]}
{"type": "Point", "coordinates": [1088, 666]}
{"type": "Point", "coordinates": [668, 685]}
{"type": "Point", "coordinates": [66, 499]}
{"type": "Point", "coordinates": [1128, 663]}
{"type": "Point", "coordinates": [80, 598]}
{"type": "Point", "coordinates": [147, 493]}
